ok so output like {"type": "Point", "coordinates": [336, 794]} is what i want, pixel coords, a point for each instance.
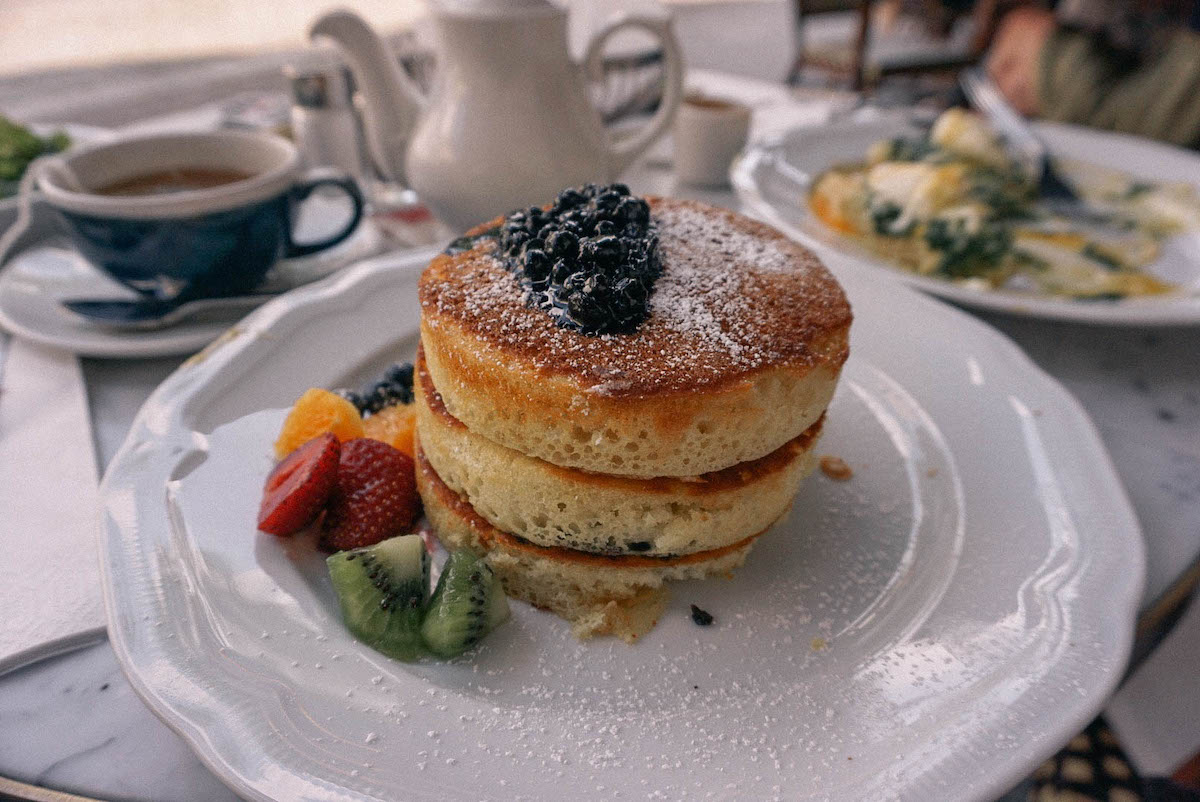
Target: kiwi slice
{"type": "Point", "coordinates": [382, 590]}
{"type": "Point", "coordinates": [467, 604]}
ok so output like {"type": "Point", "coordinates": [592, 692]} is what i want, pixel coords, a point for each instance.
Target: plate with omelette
{"type": "Point", "coordinates": [946, 208]}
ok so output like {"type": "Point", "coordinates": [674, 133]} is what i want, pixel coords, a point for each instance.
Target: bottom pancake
{"type": "Point", "coordinates": [599, 594]}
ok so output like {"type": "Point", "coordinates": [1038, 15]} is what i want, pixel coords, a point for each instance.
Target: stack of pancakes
{"type": "Point", "coordinates": [590, 469]}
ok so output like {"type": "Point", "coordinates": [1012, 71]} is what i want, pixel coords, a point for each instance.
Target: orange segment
{"type": "Point", "coordinates": [315, 413]}
{"type": "Point", "coordinates": [823, 209]}
{"type": "Point", "coordinates": [393, 425]}
{"type": "Point", "coordinates": [832, 200]}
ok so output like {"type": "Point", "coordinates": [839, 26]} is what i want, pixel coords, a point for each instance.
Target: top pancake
{"type": "Point", "coordinates": [735, 296]}
{"type": "Point", "coordinates": [746, 334]}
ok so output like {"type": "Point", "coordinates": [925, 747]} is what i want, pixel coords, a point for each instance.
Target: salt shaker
{"type": "Point", "coordinates": [323, 119]}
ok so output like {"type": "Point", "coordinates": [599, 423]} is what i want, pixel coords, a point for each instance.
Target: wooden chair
{"type": "Point", "coordinates": [858, 73]}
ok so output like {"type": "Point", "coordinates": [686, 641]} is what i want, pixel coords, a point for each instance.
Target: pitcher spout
{"type": "Point", "coordinates": [393, 101]}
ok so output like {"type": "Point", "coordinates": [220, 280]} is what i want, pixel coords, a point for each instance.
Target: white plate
{"type": "Point", "coordinates": [773, 179]}
{"type": "Point", "coordinates": [973, 588]}
{"type": "Point", "coordinates": [35, 280]}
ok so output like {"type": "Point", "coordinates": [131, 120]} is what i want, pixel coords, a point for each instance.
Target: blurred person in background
{"type": "Point", "coordinates": [1124, 65]}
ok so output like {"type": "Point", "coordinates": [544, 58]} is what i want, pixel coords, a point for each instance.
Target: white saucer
{"type": "Point", "coordinates": [34, 282]}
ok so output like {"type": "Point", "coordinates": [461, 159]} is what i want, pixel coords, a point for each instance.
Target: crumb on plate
{"type": "Point", "coordinates": [836, 468]}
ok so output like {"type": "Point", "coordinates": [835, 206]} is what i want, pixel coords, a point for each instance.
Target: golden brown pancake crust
{"type": "Point", "coordinates": [735, 476]}
{"type": "Point", "coordinates": [489, 534]}
{"type": "Point", "coordinates": [736, 297]}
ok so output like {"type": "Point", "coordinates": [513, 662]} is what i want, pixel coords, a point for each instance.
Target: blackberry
{"type": "Point", "coordinates": [606, 228]}
{"type": "Point", "coordinates": [632, 291]}
{"type": "Point", "coordinates": [590, 261]}
{"type": "Point", "coordinates": [595, 285]}
{"type": "Point", "coordinates": [607, 200]}
{"type": "Point", "coordinates": [563, 244]}
{"type": "Point", "coordinates": [384, 394]}
{"type": "Point", "coordinates": [514, 240]}
{"type": "Point", "coordinates": [575, 282]}
{"type": "Point", "coordinates": [400, 374]}
{"type": "Point", "coordinates": [354, 398]}
{"type": "Point", "coordinates": [569, 199]}
{"type": "Point", "coordinates": [536, 264]}
{"type": "Point", "coordinates": [561, 271]}
{"type": "Point", "coordinates": [580, 306]}
{"type": "Point", "coordinates": [631, 210]}
{"type": "Point", "coordinates": [604, 251]}
{"type": "Point", "coordinates": [396, 387]}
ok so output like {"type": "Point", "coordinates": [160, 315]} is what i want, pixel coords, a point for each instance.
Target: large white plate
{"type": "Point", "coordinates": [773, 179]}
{"type": "Point", "coordinates": [930, 629]}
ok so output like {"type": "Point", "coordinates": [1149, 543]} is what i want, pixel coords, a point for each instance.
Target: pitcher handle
{"type": "Point", "coordinates": [625, 149]}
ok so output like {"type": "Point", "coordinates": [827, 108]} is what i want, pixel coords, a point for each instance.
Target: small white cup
{"type": "Point", "coordinates": [709, 133]}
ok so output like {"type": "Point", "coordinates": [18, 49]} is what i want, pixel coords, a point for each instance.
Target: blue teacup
{"type": "Point", "coordinates": [195, 242]}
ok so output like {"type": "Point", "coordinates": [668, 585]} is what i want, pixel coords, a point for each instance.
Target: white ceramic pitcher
{"type": "Point", "coordinates": [508, 122]}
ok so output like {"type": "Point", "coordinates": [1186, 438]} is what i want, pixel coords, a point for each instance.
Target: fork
{"type": "Point", "coordinates": [986, 97]}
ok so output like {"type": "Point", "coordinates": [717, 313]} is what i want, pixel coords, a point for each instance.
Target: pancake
{"type": "Point", "coordinates": [598, 594]}
{"type": "Point", "coordinates": [740, 354]}
{"type": "Point", "coordinates": [553, 506]}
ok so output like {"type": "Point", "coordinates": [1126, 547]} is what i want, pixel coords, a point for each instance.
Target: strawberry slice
{"type": "Point", "coordinates": [374, 498]}
{"type": "Point", "coordinates": [298, 488]}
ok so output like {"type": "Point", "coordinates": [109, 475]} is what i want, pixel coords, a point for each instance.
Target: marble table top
{"type": "Point", "coordinates": [74, 723]}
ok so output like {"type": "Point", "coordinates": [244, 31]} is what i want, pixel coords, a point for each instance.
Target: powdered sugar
{"type": "Point", "coordinates": [700, 292]}
{"type": "Point", "coordinates": [722, 237]}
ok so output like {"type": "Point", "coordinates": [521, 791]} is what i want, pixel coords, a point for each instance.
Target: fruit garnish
{"type": "Point", "coordinates": [382, 591]}
{"type": "Point", "coordinates": [469, 603]}
{"type": "Point", "coordinates": [317, 412]}
{"type": "Point", "coordinates": [590, 259]}
{"type": "Point", "coordinates": [393, 425]}
{"type": "Point", "coordinates": [374, 497]}
{"type": "Point", "coordinates": [296, 491]}
{"type": "Point", "coordinates": [396, 387]}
